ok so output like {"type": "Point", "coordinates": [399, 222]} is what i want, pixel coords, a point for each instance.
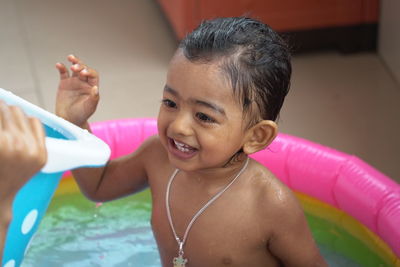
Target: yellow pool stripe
{"type": "Point", "coordinates": [67, 186]}
{"type": "Point", "coordinates": [329, 213]}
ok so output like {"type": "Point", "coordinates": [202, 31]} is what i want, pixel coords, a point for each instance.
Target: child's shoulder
{"type": "Point", "coordinates": [153, 147]}
{"type": "Point", "coordinates": [150, 152]}
{"type": "Point", "coordinates": [280, 216]}
{"type": "Point", "coordinates": [152, 156]}
{"type": "Point", "coordinates": [153, 142]}
{"type": "Point", "coordinates": [272, 194]}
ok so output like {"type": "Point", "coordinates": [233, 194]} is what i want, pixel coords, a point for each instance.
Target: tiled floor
{"type": "Point", "coordinates": [349, 102]}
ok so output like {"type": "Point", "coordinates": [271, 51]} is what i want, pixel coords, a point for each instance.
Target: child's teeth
{"type": "Point", "coordinates": [181, 147]}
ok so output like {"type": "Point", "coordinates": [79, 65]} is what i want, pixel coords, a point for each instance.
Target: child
{"type": "Point", "coordinates": [22, 154]}
{"type": "Point", "coordinates": [212, 205]}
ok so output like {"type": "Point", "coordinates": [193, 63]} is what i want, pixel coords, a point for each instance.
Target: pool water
{"type": "Point", "coordinates": [78, 233]}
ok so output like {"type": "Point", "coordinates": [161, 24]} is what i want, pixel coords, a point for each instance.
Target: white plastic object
{"type": "Point", "coordinates": [83, 148]}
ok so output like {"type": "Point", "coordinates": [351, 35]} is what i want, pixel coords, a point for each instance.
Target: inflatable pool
{"type": "Point", "coordinates": [353, 210]}
{"type": "Point", "coordinates": [68, 147]}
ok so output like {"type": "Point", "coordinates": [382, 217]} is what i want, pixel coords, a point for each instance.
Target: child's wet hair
{"type": "Point", "coordinates": [254, 57]}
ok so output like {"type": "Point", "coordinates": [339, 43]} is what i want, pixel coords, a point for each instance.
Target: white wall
{"type": "Point", "coordinates": [389, 35]}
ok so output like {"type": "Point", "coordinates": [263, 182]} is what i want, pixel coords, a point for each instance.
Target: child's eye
{"type": "Point", "coordinates": [169, 103]}
{"type": "Point", "coordinates": [204, 118]}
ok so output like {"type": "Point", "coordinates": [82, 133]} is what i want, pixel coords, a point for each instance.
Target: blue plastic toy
{"type": "Point", "coordinates": [68, 147]}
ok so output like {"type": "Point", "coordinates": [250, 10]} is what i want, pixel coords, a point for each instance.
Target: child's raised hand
{"type": "Point", "coordinates": [78, 92]}
{"type": "Point", "coordinates": [22, 151]}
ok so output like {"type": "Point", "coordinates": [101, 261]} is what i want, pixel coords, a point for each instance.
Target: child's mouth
{"type": "Point", "coordinates": [181, 150]}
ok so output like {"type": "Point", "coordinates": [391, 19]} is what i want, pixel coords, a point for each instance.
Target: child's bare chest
{"type": "Point", "coordinates": [225, 234]}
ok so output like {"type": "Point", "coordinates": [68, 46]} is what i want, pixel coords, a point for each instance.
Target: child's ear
{"type": "Point", "coordinates": [260, 136]}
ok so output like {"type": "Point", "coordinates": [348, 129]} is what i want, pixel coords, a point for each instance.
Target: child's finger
{"type": "Point", "coordinates": [76, 64]}
{"type": "Point", "coordinates": [73, 59]}
{"type": "Point", "coordinates": [95, 91]}
{"type": "Point", "coordinates": [64, 73]}
{"type": "Point", "coordinates": [90, 75]}
{"type": "Point", "coordinates": [77, 69]}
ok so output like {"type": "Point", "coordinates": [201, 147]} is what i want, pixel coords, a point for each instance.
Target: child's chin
{"type": "Point", "coordinates": [184, 165]}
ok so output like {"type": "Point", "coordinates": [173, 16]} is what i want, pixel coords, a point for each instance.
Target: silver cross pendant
{"type": "Point", "coordinates": [179, 261]}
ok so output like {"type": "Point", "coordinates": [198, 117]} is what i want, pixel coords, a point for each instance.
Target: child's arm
{"type": "Point", "coordinates": [77, 99]}
{"type": "Point", "coordinates": [291, 241]}
{"type": "Point", "coordinates": [22, 154]}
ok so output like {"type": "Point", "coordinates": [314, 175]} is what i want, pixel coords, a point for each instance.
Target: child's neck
{"type": "Point", "coordinates": [214, 177]}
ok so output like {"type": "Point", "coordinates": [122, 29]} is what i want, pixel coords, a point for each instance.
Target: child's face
{"type": "Point", "coordinates": [200, 122]}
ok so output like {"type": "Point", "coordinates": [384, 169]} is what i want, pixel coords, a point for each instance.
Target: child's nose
{"type": "Point", "coordinates": [182, 125]}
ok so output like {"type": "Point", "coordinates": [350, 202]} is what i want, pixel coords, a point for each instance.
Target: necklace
{"type": "Point", "coordinates": [180, 261]}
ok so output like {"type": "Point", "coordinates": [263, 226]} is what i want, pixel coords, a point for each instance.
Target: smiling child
{"type": "Point", "coordinates": [212, 204]}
